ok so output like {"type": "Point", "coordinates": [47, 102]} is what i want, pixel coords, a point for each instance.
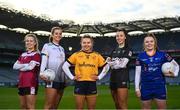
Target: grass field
{"type": "Point", "coordinates": [9, 98]}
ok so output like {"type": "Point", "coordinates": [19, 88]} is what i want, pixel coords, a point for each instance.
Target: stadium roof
{"type": "Point", "coordinates": [15, 19]}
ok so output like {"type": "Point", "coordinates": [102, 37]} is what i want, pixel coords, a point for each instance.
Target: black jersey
{"type": "Point", "coordinates": [122, 74]}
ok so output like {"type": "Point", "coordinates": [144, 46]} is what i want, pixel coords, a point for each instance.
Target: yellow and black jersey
{"type": "Point", "coordinates": [86, 64]}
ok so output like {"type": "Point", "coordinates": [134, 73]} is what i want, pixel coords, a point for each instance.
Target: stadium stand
{"type": "Point", "coordinates": [11, 45]}
{"type": "Point", "coordinates": [11, 42]}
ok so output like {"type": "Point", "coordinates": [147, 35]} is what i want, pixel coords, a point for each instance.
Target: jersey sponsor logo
{"type": "Point", "coordinates": [152, 69]}
{"type": "Point", "coordinates": [94, 92]}
{"type": "Point", "coordinates": [123, 83]}
{"type": "Point", "coordinates": [130, 53]}
{"type": "Point", "coordinates": [151, 59]}
{"type": "Point", "coordinates": [77, 89]}
{"type": "Point", "coordinates": [86, 65]}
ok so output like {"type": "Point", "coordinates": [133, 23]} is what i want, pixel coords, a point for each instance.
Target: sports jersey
{"type": "Point", "coordinates": [121, 74]}
{"type": "Point", "coordinates": [151, 73]}
{"type": "Point", "coordinates": [86, 64]}
{"type": "Point", "coordinates": [55, 59]}
{"type": "Point", "coordinates": [29, 78]}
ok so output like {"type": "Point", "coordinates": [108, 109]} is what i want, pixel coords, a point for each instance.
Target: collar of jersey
{"type": "Point", "coordinates": [86, 52]}
{"type": "Point", "coordinates": [30, 52]}
{"type": "Point", "coordinates": [55, 44]}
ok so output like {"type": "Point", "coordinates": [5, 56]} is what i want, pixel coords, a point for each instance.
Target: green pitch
{"type": "Point", "coordinates": [9, 98]}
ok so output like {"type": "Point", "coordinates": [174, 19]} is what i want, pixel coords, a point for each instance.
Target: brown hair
{"type": "Point", "coordinates": [35, 39]}
{"type": "Point", "coordinates": [52, 32]}
{"type": "Point", "coordinates": [88, 36]}
{"type": "Point", "coordinates": [155, 41]}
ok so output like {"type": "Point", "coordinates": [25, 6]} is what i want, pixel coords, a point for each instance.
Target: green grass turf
{"type": "Point", "coordinates": [9, 98]}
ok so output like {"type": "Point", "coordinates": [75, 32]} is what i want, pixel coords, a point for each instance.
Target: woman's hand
{"type": "Point", "coordinates": [44, 78]}
{"type": "Point", "coordinates": [138, 93]}
{"type": "Point", "coordinates": [94, 77]}
{"type": "Point", "coordinates": [77, 77]}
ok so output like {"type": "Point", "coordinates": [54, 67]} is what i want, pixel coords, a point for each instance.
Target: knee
{"type": "Point", "coordinates": [30, 106]}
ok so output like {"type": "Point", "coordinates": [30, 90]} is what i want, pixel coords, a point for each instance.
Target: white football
{"type": "Point", "coordinates": [166, 67]}
{"type": "Point", "coordinates": [49, 74]}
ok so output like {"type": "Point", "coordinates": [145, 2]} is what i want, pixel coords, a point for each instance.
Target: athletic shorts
{"type": "Point", "coordinates": [27, 91]}
{"type": "Point", "coordinates": [85, 88]}
{"type": "Point", "coordinates": [56, 85]}
{"type": "Point", "coordinates": [119, 79]}
{"type": "Point", "coordinates": [156, 92]}
{"type": "Point", "coordinates": [120, 84]}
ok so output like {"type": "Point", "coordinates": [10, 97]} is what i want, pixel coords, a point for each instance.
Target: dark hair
{"type": "Point", "coordinates": [52, 32]}
{"type": "Point", "coordinates": [126, 35]}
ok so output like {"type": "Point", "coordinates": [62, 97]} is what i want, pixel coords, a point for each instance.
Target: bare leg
{"type": "Point", "coordinates": [58, 98]}
{"type": "Point", "coordinates": [115, 98]}
{"type": "Point", "coordinates": [23, 102]}
{"type": "Point", "coordinates": [50, 98]}
{"type": "Point", "coordinates": [161, 104]}
{"type": "Point", "coordinates": [91, 102]}
{"type": "Point", "coordinates": [122, 94]}
{"type": "Point", "coordinates": [30, 101]}
{"type": "Point", "coordinates": [80, 99]}
{"type": "Point", "coordinates": [146, 105]}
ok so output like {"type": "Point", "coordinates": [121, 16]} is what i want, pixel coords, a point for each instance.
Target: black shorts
{"type": "Point", "coordinates": [85, 88]}
{"type": "Point", "coordinates": [119, 79]}
{"type": "Point", "coordinates": [27, 91]}
{"type": "Point", "coordinates": [56, 85]}
{"type": "Point", "coordinates": [114, 86]}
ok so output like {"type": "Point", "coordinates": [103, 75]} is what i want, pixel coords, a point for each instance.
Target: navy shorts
{"type": "Point", "coordinates": [27, 91]}
{"type": "Point", "coordinates": [56, 85]}
{"type": "Point", "coordinates": [85, 88]}
{"type": "Point", "coordinates": [156, 92]}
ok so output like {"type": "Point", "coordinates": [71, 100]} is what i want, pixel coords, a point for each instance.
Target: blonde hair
{"type": "Point", "coordinates": [52, 32]}
{"type": "Point", "coordinates": [155, 41]}
{"type": "Point", "coordinates": [36, 48]}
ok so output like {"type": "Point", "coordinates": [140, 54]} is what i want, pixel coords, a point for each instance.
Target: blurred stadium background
{"type": "Point", "coordinates": [14, 25]}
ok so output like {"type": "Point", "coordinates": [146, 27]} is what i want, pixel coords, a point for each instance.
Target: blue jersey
{"type": "Point", "coordinates": [151, 74]}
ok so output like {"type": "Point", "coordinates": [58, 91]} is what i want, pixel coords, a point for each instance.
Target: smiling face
{"type": "Point", "coordinates": [30, 43]}
{"type": "Point", "coordinates": [149, 43]}
{"type": "Point", "coordinates": [120, 37]}
{"type": "Point", "coordinates": [57, 35]}
{"type": "Point", "coordinates": [86, 44]}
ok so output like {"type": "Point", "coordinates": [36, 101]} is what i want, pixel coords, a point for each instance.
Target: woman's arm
{"type": "Point", "coordinates": [67, 71]}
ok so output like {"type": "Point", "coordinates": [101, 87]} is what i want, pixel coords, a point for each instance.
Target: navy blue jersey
{"type": "Point", "coordinates": [151, 73]}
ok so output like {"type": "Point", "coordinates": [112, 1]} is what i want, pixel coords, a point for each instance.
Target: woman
{"type": "Point", "coordinates": [53, 57]}
{"type": "Point", "coordinates": [149, 79]}
{"type": "Point", "coordinates": [119, 79]}
{"type": "Point", "coordinates": [28, 65]}
{"type": "Point", "coordinates": [86, 63]}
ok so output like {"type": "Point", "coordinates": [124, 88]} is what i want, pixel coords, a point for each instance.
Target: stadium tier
{"type": "Point", "coordinates": [11, 46]}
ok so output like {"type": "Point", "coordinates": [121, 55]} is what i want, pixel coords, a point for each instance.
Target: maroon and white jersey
{"type": "Point", "coordinates": [29, 78]}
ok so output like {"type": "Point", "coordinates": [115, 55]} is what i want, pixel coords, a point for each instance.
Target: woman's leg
{"type": "Point", "coordinates": [22, 102]}
{"type": "Point", "coordinates": [79, 99]}
{"type": "Point", "coordinates": [114, 96]}
{"type": "Point", "coordinates": [58, 98]}
{"type": "Point", "coordinates": [122, 96]}
{"type": "Point", "coordinates": [50, 98]}
{"type": "Point", "coordinates": [30, 101]}
{"type": "Point", "coordinates": [146, 104]}
{"type": "Point", "coordinates": [161, 104]}
{"type": "Point", "coordinates": [91, 102]}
